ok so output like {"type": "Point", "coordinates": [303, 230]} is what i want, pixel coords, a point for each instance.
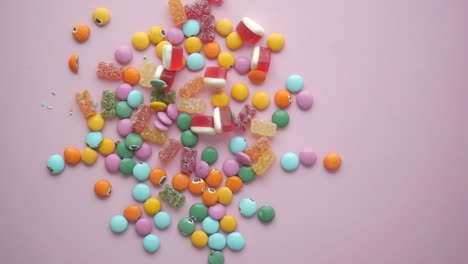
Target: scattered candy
{"type": "Point", "coordinates": [132, 213]}
{"type": "Point", "coordinates": [73, 63]}
{"type": "Point", "coordinates": [304, 100]}
{"type": "Point", "coordinates": [143, 226]}
{"type": "Point", "coordinates": [217, 241]}
{"type": "Point", "coordinates": [307, 157]}
{"type": "Point", "coordinates": [55, 164]}
{"type": "Point", "coordinates": [156, 34]}
{"type": "Point", "coordinates": [109, 71]}
{"type": "Point", "coordinates": [85, 102]}
{"type": "Point", "coordinates": [118, 224]}
{"type": "Point", "coordinates": [151, 243]}
{"type": "Point", "coordinates": [123, 55]}
{"type": "Point", "coordinates": [101, 16]}
{"type": "Point", "coordinates": [81, 32]}
{"type": "Point", "coordinates": [162, 220]}
{"type": "Point", "coordinates": [275, 42]}
{"type": "Point", "coordinates": [212, 50]}
{"type": "Point", "coordinates": [228, 224]}
{"type": "Point", "coordinates": [171, 196]}
{"type": "Point", "coordinates": [266, 214]}
{"type": "Point", "coordinates": [280, 118]}
{"type": "Point", "coordinates": [235, 241]}
{"type": "Point", "coordinates": [249, 30]}
{"type": "Point", "coordinates": [210, 226]}
{"type": "Point", "coordinates": [332, 161]}
{"type": "Point", "coordinates": [71, 155]}
{"type": "Point", "coordinates": [262, 127]}
{"type": "Point", "coordinates": [294, 83]}
{"type": "Point", "coordinates": [140, 40]}
{"type": "Point", "coordinates": [289, 161]}
{"type": "Point", "coordinates": [264, 162]}
{"type": "Point", "coordinates": [199, 239]}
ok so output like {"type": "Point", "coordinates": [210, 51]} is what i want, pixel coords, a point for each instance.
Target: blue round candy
{"type": "Point", "coordinates": [217, 241]}
{"type": "Point", "coordinates": [94, 139]}
{"type": "Point", "coordinates": [289, 161]}
{"type": "Point", "coordinates": [237, 144]}
{"type": "Point", "coordinates": [235, 241]}
{"type": "Point", "coordinates": [55, 164]}
{"type": "Point", "coordinates": [247, 207]}
{"type": "Point", "coordinates": [210, 226]}
{"type": "Point", "coordinates": [151, 243]}
{"type": "Point", "coordinates": [294, 83]}
{"type": "Point", "coordinates": [135, 98]}
{"type": "Point", "coordinates": [118, 224]}
{"type": "Point", "coordinates": [141, 171]}
{"type": "Point", "coordinates": [195, 62]}
{"type": "Point", "coordinates": [191, 28]}
{"type": "Point", "coordinates": [141, 192]}
{"type": "Point", "coordinates": [162, 220]}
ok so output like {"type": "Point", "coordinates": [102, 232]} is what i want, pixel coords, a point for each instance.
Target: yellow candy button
{"type": "Point", "coordinates": [192, 44]}
{"type": "Point", "coordinates": [101, 16]}
{"type": "Point", "coordinates": [275, 42]}
{"type": "Point", "coordinates": [199, 239]}
{"type": "Point", "coordinates": [223, 26]}
{"type": "Point", "coordinates": [220, 99]}
{"type": "Point", "coordinates": [224, 195]}
{"type": "Point", "coordinates": [160, 46]}
{"type": "Point", "coordinates": [152, 206]}
{"type": "Point", "coordinates": [239, 92]}
{"type": "Point", "coordinates": [228, 224]}
{"type": "Point", "coordinates": [140, 40]}
{"type": "Point", "coordinates": [226, 59]}
{"type": "Point", "coordinates": [158, 106]}
{"type": "Point", "coordinates": [156, 34]}
{"type": "Point", "coordinates": [234, 41]}
{"type": "Point", "coordinates": [107, 146]}
{"type": "Point", "coordinates": [96, 122]}
{"type": "Point", "coordinates": [261, 100]}
{"type": "Point", "coordinates": [89, 156]}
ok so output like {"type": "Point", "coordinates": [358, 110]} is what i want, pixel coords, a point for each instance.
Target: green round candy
{"type": "Point", "coordinates": [188, 138]}
{"type": "Point", "coordinates": [266, 214]}
{"type": "Point", "coordinates": [186, 226]}
{"type": "Point", "coordinates": [198, 212]}
{"type": "Point", "coordinates": [184, 121]}
{"type": "Point", "coordinates": [246, 173]}
{"type": "Point", "coordinates": [216, 257]}
{"type": "Point", "coordinates": [133, 141]}
{"type": "Point", "coordinates": [280, 118]}
{"type": "Point", "coordinates": [123, 151]}
{"type": "Point", "coordinates": [126, 166]}
{"type": "Point", "coordinates": [123, 110]}
{"type": "Point", "coordinates": [210, 155]}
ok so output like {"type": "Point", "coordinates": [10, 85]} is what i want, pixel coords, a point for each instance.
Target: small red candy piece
{"type": "Point", "coordinates": [245, 115]}
{"type": "Point", "coordinates": [216, 2]}
{"type": "Point", "coordinates": [203, 124]}
{"type": "Point", "coordinates": [169, 149]}
{"type": "Point", "coordinates": [261, 57]}
{"type": "Point", "coordinates": [142, 117]}
{"type": "Point", "coordinates": [187, 160]}
{"type": "Point", "coordinates": [173, 58]}
{"type": "Point", "coordinates": [167, 78]}
{"type": "Point", "coordinates": [249, 31]}
{"type": "Point", "coordinates": [223, 119]}
{"type": "Point", "coordinates": [109, 71]}
{"type": "Point", "coordinates": [197, 9]}
{"type": "Point", "coordinates": [215, 77]}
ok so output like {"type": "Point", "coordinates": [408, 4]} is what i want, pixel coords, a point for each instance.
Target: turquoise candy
{"type": "Point", "coordinates": [135, 98]}
{"type": "Point", "coordinates": [195, 62]}
{"type": "Point", "coordinates": [289, 161]}
{"type": "Point", "coordinates": [141, 192]}
{"type": "Point", "coordinates": [162, 220]}
{"type": "Point", "coordinates": [210, 225]}
{"type": "Point", "coordinates": [55, 164]}
{"type": "Point", "coordinates": [191, 28]}
{"type": "Point", "coordinates": [151, 243]}
{"type": "Point", "coordinates": [217, 241]}
{"type": "Point", "coordinates": [235, 241]}
{"type": "Point", "coordinates": [247, 207]}
{"type": "Point", "coordinates": [216, 257]}
{"type": "Point", "coordinates": [118, 224]}
{"type": "Point", "coordinates": [94, 139]}
{"type": "Point", "coordinates": [186, 226]}
{"type": "Point", "coordinates": [141, 171]}
{"type": "Point", "coordinates": [237, 144]}
{"type": "Point", "coordinates": [294, 83]}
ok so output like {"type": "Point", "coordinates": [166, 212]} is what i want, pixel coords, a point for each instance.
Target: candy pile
{"type": "Point", "coordinates": [144, 127]}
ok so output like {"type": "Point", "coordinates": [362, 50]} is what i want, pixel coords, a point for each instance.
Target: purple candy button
{"type": "Point", "coordinates": [202, 169]}
{"type": "Point", "coordinates": [243, 159]}
{"type": "Point", "coordinates": [307, 157]}
{"type": "Point", "coordinates": [217, 211]}
{"type": "Point", "coordinates": [144, 152]}
{"type": "Point", "coordinates": [242, 65]}
{"type": "Point", "coordinates": [124, 127]}
{"type": "Point", "coordinates": [159, 125]}
{"type": "Point", "coordinates": [112, 163]}
{"type": "Point", "coordinates": [304, 100]}
{"type": "Point", "coordinates": [230, 167]}
{"type": "Point", "coordinates": [143, 226]}
{"type": "Point", "coordinates": [164, 118]}
{"type": "Point", "coordinates": [172, 111]}
{"type": "Point", "coordinates": [123, 90]}
{"type": "Point", "coordinates": [123, 55]}
{"type": "Point", "coordinates": [175, 36]}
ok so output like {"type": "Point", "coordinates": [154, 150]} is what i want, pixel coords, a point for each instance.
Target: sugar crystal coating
{"type": "Point", "coordinates": [177, 12]}
{"type": "Point", "coordinates": [191, 105]}
{"type": "Point", "coordinates": [109, 71]}
{"type": "Point", "coordinates": [261, 145]}
{"type": "Point", "coordinates": [169, 149]}
{"type": "Point", "coordinates": [263, 127]}
{"type": "Point", "coordinates": [108, 104]}
{"type": "Point", "coordinates": [86, 103]}
{"type": "Point", "coordinates": [147, 70]}
{"type": "Point", "coordinates": [264, 162]}
{"type": "Point", "coordinates": [188, 160]}
{"type": "Point", "coordinates": [245, 116]}
{"type": "Point", "coordinates": [142, 117]}
{"type": "Point", "coordinates": [197, 9]}
{"type": "Point", "coordinates": [171, 196]}
{"type": "Point", "coordinates": [165, 97]}
{"type": "Point", "coordinates": [153, 135]}
{"type": "Point", "coordinates": [192, 87]}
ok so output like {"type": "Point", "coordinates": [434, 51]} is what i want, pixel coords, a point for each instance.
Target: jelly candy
{"type": "Point", "coordinates": [202, 124]}
{"type": "Point", "coordinates": [263, 128]}
{"type": "Point", "coordinates": [151, 134]}
{"type": "Point", "coordinates": [163, 79]}
{"type": "Point", "coordinates": [171, 196]}
{"type": "Point", "coordinates": [109, 71]}
{"type": "Point", "coordinates": [207, 30]}
{"type": "Point", "coordinates": [264, 162]}
{"type": "Point", "coordinates": [260, 59]}
{"type": "Point", "coordinates": [197, 9]}
{"type": "Point", "coordinates": [191, 105]}
{"type": "Point", "coordinates": [147, 70]}
{"type": "Point", "coordinates": [177, 12]}
{"type": "Point", "coordinates": [165, 97]}
{"type": "Point", "coordinates": [192, 87]}
{"type": "Point", "coordinates": [173, 58]}
{"type": "Point", "coordinates": [215, 77]}
{"type": "Point", "coordinates": [223, 121]}
{"type": "Point", "coordinates": [169, 149]}
{"type": "Point", "coordinates": [108, 104]}
{"type": "Point", "coordinates": [245, 115]}
{"type": "Point", "coordinates": [142, 117]}
{"type": "Point", "coordinates": [187, 160]}
{"type": "Point", "coordinates": [257, 149]}
{"type": "Point", "coordinates": [86, 103]}
{"type": "Point", "coordinates": [249, 31]}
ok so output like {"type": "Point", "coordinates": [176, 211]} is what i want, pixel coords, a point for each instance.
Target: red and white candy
{"type": "Point", "coordinates": [203, 124]}
{"type": "Point", "coordinates": [249, 30]}
{"type": "Point", "coordinates": [261, 58]}
{"type": "Point", "coordinates": [173, 58]}
{"type": "Point", "coordinates": [215, 77]}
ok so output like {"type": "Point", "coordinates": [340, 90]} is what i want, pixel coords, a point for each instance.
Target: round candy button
{"type": "Point", "coordinates": [123, 55]}
{"type": "Point", "coordinates": [228, 224]}
{"type": "Point", "coordinates": [126, 166]}
{"type": "Point", "coordinates": [135, 98]}
{"type": "Point", "coordinates": [289, 161]}
{"type": "Point", "coordinates": [55, 164]}
{"type": "Point", "coordinates": [247, 207]}
{"type": "Point", "coordinates": [144, 152]}
{"type": "Point", "coordinates": [210, 225]}
{"type": "Point", "coordinates": [94, 139]}
{"type": "Point", "coordinates": [151, 243]}
{"type": "Point", "coordinates": [235, 241]}
{"type": "Point", "coordinates": [141, 171]}
{"type": "Point", "coordinates": [237, 144]}
{"type": "Point", "coordinates": [216, 257]}
{"type": "Point", "coordinates": [186, 226]}
{"type": "Point", "coordinates": [217, 241]}
{"type": "Point", "coordinates": [307, 157]}
{"type": "Point", "coordinates": [247, 174]}
{"type": "Point", "coordinates": [199, 239]}
{"type": "Point", "coordinates": [133, 141]}
{"type": "Point", "coordinates": [202, 169]}
{"type": "Point", "coordinates": [198, 212]}
{"type": "Point", "coordinates": [261, 100]}
{"type": "Point", "coordinates": [123, 151]}
{"type": "Point", "coordinates": [123, 90]}
{"type": "Point", "coordinates": [162, 220]}
{"type": "Point", "coordinates": [304, 100]}
{"type": "Point", "coordinates": [141, 192]}
{"type": "Point", "coordinates": [103, 188]}
{"type": "Point", "coordinates": [332, 161]}
{"type": "Point", "coordinates": [280, 118]}
{"type": "Point", "coordinates": [266, 214]}
{"type": "Point", "coordinates": [112, 162]}
{"type": "Point", "coordinates": [275, 42]}
{"type": "Point", "coordinates": [294, 83]}
{"type": "Point", "coordinates": [230, 167]}
{"type": "Point", "coordinates": [191, 28]}
{"type": "Point", "coordinates": [152, 206]}
{"type": "Point", "coordinates": [217, 211]}
{"type": "Point", "coordinates": [123, 110]}
{"type": "Point", "coordinates": [124, 127]}
{"type": "Point", "coordinates": [118, 224]}
{"type": "Point", "coordinates": [132, 213]}
{"type": "Point", "coordinates": [209, 155]}
{"type": "Point", "coordinates": [239, 92]}
{"type": "Point", "coordinates": [242, 65]}
{"type": "Point", "coordinates": [224, 195]}
{"type": "Point", "coordinates": [184, 121]}
{"type": "Point", "coordinates": [175, 36]}
{"type": "Point", "coordinates": [195, 61]}
{"type": "Point", "coordinates": [72, 155]}
{"type": "Point", "coordinates": [143, 226]}
{"type": "Point", "coordinates": [101, 16]}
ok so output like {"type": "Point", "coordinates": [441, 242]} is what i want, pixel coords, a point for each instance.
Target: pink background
{"type": "Point", "coordinates": [389, 80]}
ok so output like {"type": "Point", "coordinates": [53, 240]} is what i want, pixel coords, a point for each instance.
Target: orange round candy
{"type": "Point", "coordinates": [73, 63]}
{"type": "Point", "coordinates": [196, 186]}
{"type": "Point", "coordinates": [103, 188]}
{"type": "Point", "coordinates": [180, 182]}
{"type": "Point", "coordinates": [234, 183]}
{"type": "Point", "coordinates": [72, 155]}
{"type": "Point", "coordinates": [81, 32]}
{"type": "Point", "coordinates": [210, 197]}
{"type": "Point", "coordinates": [214, 178]}
{"type": "Point", "coordinates": [332, 161]}
{"type": "Point", "coordinates": [131, 75]}
{"type": "Point", "coordinates": [132, 213]}
{"type": "Point", "coordinates": [158, 176]}
{"type": "Point", "coordinates": [283, 98]}
{"type": "Point", "coordinates": [256, 76]}
{"type": "Point", "coordinates": [211, 50]}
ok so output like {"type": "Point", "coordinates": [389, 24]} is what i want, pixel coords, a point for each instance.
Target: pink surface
{"type": "Point", "coordinates": [389, 80]}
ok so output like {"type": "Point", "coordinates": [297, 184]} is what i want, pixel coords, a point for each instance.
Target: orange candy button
{"type": "Point", "coordinates": [256, 76]}
{"type": "Point", "coordinates": [234, 183]}
{"type": "Point", "coordinates": [210, 197]}
{"type": "Point", "coordinates": [158, 176]}
{"type": "Point", "coordinates": [180, 182]}
{"type": "Point", "coordinates": [214, 178]}
{"type": "Point", "coordinates": [196, 186]}
{"type": "Point", "coordinates": [211, 50]}
{"type": "Point", "coordinates": [332, 161]}
{"type": "Point", "coordinates": [131, 75]}
{"type": "Point", "coordinates": [132, 213]}
{"type": "Point", "coordinates": [103, 188]}
{"type": "Point", "coordinates": [283, 98]}
{"type": "Point", "coordinates": [72, 155]}
{"type": "Point", "coordinates": [81, 32]}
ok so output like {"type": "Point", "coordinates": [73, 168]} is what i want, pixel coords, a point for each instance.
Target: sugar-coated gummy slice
{"type": "Point", "coordinates": [109, 71]}
{"type": "Point", "coordinates": [245, 116]}
{"type": "Point", "coordinates": [192, 87]}
{"type": "Point", "coordinates": [263, 127]}
{"type": "Point", "coordinates": [261, 145]}
{"type": "Point", "coordinates": [169, 149]}
{"type": "Point", "coordinates": [197, 9]}
{"type": "Point", "coordinates": [203, 125]}
{"type": "Point", "coordinates": [171, 196]}
{"type": "Point", "coordinates": [165, 97]}
{"type": "Point", "coordinates": [86, 103]}
{"type": "Point", "coordinates": [191, 105]}
{"type": "Point", "coordinates": [177, 12]}
{"type": "Point", "coordinates": [147, 70]}
{"type": "Point", "coordinates": [153, 135]}
{"type": "Point", "coordinates": [187, 160]}
{"type": "Point", "coordinates": [264, 162]}
{"type": "Point", "coordinates": [108, 103]}
{"type": "Point", "coordinates": [142, 117]}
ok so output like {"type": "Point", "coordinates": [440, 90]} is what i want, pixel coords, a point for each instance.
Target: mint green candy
{"type": "Point", "coordinates": [186, 226]}
{"type": "Point", "coordinates": [209, 155]}
{"type": "Point", "coordinates": [280, 118]}
{"type": "Point", "coordinates": [188, 138]}
{"type": "Point", "coordinates": [133, 141]}
{"type": "Point", "coordinates": [123, 110]}
{"type": "Point", "coordinates": [246, 173]}
{"type": "Point", "coordinates": [126, 166]}
{"type": "Point", "coordinates": [266, 214]}
{"type": "Point", "coordinates": [216, 257]}
{"type": "Point", "coordinates": [198, 212]}
{"type": "Point", "coordinates": [123, 151]}
{"type": "Point", "coordinates": [184, 121]}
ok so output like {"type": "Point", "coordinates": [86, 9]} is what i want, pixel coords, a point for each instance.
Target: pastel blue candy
{"type": "Point", "coordinates": [235, 241]}
{"type": "Point", "coordinates": [151, 243]}
{"type": "Point", "coordinates": [247, 207]}
{"type": "Point", "coordinates": [237, 144]}
{"type": "Point", "coordinates": [55, 164]}
{"type": "Point", "coordinates": [162, 220]}
{"type": "Point", "coordinates": [141, 192]}
{"type": "Point", "coordinates": [191, 28]}
{"type": "Point", "coordinates": [141, 171]}
{"type": "Point", "coordinates": [195, 62]}
{"type": "Point", "coordinates": [289, 161]}
{"type": "Point", "coordinates": [294, 83]}
{"type": "Point", "coordinates": [217, 241]}
{"type": "Point", "coordinates": [210, 225]}
{"type": "Point", "coordinates": [135, 98]}
{"type": "Point", "coordinates": [118, 224]}
{"type": "Point", "coordinates": [94, 139]}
